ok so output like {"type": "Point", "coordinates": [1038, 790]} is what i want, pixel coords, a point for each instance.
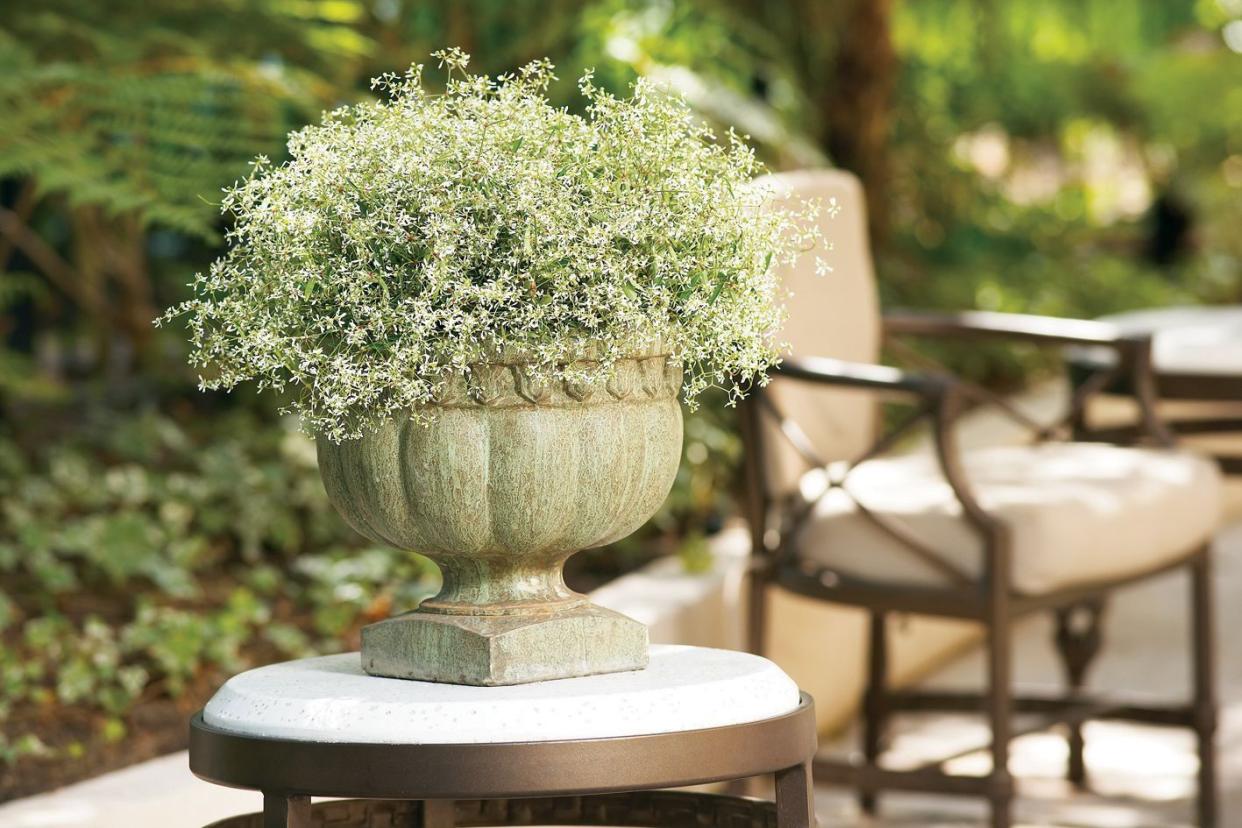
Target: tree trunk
{"type": "Point", "coordinates": [842, 54]}
{"type": "Point", "coordinates": [857, 102]}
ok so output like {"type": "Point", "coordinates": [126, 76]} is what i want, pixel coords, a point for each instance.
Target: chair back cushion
{"type": "Point", "coordinates": [832, 315]}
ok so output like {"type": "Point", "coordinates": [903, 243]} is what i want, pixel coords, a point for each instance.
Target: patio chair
{"type": "Point", "coordinates": [987, 535]}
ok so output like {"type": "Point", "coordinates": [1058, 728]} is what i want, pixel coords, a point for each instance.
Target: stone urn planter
{"type": "Point", "coordinates": [499, 489]}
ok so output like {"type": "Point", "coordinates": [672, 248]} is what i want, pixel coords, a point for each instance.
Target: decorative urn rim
{"type": "Point", "coordinates": [513, 379]}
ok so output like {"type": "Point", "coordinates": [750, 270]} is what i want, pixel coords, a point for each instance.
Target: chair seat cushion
{"type": "Point", "coordinates": [1077, 513]}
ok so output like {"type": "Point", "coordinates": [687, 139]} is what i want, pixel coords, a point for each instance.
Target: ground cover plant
{"type": "Point", "coordinates": [145, 560]}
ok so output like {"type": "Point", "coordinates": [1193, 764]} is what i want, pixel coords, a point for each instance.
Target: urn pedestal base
{"type": "Point", "coordinates": [491, 650]}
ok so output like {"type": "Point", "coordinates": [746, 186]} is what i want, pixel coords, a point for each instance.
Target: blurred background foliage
{"type": "Point", "coordinates": [1070, 157]}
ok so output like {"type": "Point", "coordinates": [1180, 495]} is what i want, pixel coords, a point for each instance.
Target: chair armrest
{"type": "Point", "coordinates": [1134, 350]}
{"type": "Point", "coordinates": [1050, 330]}
{"type": "Point", "coordinates": [943, 400]}
{"type": "Point", "coordinates": [864, 376]}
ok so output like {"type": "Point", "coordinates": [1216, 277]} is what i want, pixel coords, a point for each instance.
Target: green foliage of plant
{"type": "Point", "coordinates": [413, 238]}
{"type": "Point", "coordinates": [149, 114]}
{"type": "Point", "coordinates": [18, 376]}
{"type": "Point", "coordinates": [1065, 84]}
{"type": "Point", "coordinates": [1080, 98]}
{"type": "Point", "coordinates": [703, 493]}
{"type": "Point", "coordinates": [139, 557]}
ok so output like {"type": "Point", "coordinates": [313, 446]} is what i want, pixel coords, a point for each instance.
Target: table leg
{"type": "Point", "coordinates": [281, 811]}
{"type": "Point", "coordinates": [795, 797]}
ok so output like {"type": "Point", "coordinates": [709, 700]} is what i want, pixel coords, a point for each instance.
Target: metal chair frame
{"type": "Point", "coordinates": [988, 599]}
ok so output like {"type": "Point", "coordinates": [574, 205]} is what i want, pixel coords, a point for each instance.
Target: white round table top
{"type": "Point", "coordinates": [1185, 340]}
{"type": "Point", "coordinates": [330, 699]}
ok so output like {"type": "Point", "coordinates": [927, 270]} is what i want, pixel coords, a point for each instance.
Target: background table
{"type": "Point", "coordinates": [1197, 358]}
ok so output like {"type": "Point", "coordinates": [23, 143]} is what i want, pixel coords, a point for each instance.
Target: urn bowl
{"type": "Point", "coordinates": [499, 483]}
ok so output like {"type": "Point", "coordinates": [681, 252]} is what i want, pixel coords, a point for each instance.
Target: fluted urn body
{"type": "Point", "coordinates": [499, 486]}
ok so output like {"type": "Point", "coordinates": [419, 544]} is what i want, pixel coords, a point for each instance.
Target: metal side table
{"type": "Point", "coordinates": [588, 751]}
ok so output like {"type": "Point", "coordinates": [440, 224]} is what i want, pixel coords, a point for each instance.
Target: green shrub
{"type": "Point", "coordinates": [140, 559]}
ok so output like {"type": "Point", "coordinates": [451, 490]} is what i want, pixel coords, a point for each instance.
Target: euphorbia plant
{"type": "Point", "coordinates": [411, 239]}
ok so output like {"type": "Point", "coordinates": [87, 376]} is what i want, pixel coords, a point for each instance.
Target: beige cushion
{"type": "Point", "coordinates": [831, 315]}
{"type": "Point", "coordinates": [1078, 512]}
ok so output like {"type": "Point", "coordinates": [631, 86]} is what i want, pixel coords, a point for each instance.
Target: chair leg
{"type": "Point", "coordinates": [1078, 639]}
{"type": "Point", "coordinates": [875, 702]}
{"type": "Point", "coordinates": [1000, 712]}
{"type": "Point", "coordinates": [1203, 648]}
